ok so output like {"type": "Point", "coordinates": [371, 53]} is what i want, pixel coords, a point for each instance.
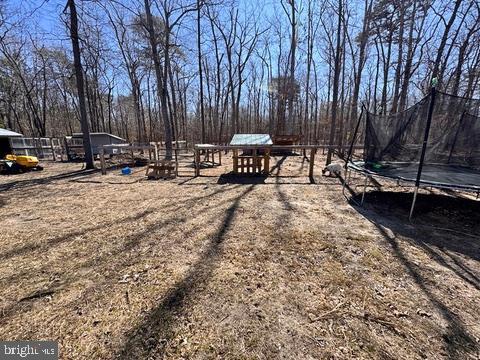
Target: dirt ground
{"type": "Point", "coordinates": [236, 268]}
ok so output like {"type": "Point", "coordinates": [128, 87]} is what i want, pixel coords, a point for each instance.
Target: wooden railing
{"type": "Point", "coordinates": [266, 149]}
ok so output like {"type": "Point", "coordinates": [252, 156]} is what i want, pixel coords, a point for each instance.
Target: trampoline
{"type": "Point", "coordinates": [441, 176]}
{"type": "Point", "coordinates": [434, 143]}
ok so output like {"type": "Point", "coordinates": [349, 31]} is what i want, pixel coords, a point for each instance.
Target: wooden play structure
{"type": "Point", "coordinates": [253, 161]}
{"type": "Point", "coordinates": [251, 153]}
{"type": "Point", "coordinates": [156, 168]}
{"type": "Point", "coordinates": [208, 156]}
{"type": "Point", "coordinates": [251, 164]}
{"type": "Point", "coordinates": [162, 169]}
{"type": "Point", "coordinates": [251, 156]}
{"type": "Point", "coordinates": [126, 149]}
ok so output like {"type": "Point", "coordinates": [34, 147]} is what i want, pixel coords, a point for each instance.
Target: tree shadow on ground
{"type": "Point", "coordinates": [232, 178]}
{"type": "Point", "coordinates": [148, 338]}
{"type": "Point", "coordinates": [45, 246]}
{"type": "Point", "coordinates": [122, 257]}
{"type": "Point", "coordinates": [51, 243]}
{"type": "Point", "coordinates": [282, 197]}
{"type": "Point", "coordinates": [20, 184]}
{"type": "Point", "coordinates": [435, 214]}
{"type": "Point", "coordinates": [442, 225]}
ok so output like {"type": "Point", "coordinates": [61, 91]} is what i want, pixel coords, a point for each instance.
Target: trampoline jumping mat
{"type": "Point", "coordinates": [434, 175]}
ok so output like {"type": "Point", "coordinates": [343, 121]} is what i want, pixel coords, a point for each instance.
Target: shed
{"type": "Point", "coordinates": [250, 162]}
{"type": "Point", "coordinates": [6, 137]}
{"type": "Point", "coordinates": [74, 143]}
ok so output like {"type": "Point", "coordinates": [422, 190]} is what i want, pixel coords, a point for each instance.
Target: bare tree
{"type": "Point", "coordinates": [80, 86]}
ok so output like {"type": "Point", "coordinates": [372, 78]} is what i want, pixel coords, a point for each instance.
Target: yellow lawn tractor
{"type": "Point", "coordinates": [14, 164]}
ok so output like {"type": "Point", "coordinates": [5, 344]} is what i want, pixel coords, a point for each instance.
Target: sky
{"type": "Point", "coordinates": [44, 20]}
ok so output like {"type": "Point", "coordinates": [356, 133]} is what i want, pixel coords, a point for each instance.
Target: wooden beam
{"type": "Point", "coordinates": [197, 162]}
{"type": "Point", "coordinates": [271, 147]}
{"type": "Point", "coordinates": [235, 161]}
{"type": "Point", "coordinates": [53, 150]}
{"type": "Point", "coordinates": [102, 161]}
{"type": "Point", "coordinates": [176, 161]}
{"type": "Point", "coordinates": [312, 162]}
{"type": "Point", "coordinates": [266, 162]}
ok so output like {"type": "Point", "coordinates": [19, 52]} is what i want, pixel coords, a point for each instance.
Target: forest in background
{"type": "Point", "coordinates": [208, 69]}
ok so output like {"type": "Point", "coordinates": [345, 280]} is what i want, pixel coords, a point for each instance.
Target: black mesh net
{"type": "Point", "coordinates": [454, 137]}
{"type": "Point", "coordinates": [453, 146]}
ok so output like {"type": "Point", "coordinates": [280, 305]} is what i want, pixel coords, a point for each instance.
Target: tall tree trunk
{"type": "Point", "coordinates": [443, 42]}
{"type": "Point", "coordinates": [398, 70]}
{"type": "Point", "coordinates": [386, 67]}
{"type": "Point", "coordinates": [292, 87]}
{"type": "Point", "coordinates": [200, 74]}
{"type": "Point", "coordinates": [361, 58]}
{"type": "Point", "coordinates": [336, 76]}
{"type": "Point", "coordinates": [80, 88]}
{"type": "Point", "coordinates": [309, 64]}
{"type": "Point", "coordinates": [409, 61]}
{"type": "Point", "coordinates": [161, 83]}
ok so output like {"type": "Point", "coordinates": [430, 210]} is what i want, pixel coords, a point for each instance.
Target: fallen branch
{"type": "Point", "coordinates": [328, 312]}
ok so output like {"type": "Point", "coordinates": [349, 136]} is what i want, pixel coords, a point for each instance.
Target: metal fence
{"type": "Point", "coordinates": [42, 148]}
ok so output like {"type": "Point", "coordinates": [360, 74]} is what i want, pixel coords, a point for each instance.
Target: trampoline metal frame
{"type": "Point", "coordinates": [418, 182]}
{"type": "Point", "coordinates": [368, 176]}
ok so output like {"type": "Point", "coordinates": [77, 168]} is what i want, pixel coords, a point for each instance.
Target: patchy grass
{"type": "Point", "coordinates": [208, 267]}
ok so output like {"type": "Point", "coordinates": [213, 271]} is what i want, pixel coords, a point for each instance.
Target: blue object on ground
{"type": "Point", "coordinates": [126, 171]}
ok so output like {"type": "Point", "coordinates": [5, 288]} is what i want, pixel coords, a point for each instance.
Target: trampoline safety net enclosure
{"type": "Point", "coordinates": [394, 145]}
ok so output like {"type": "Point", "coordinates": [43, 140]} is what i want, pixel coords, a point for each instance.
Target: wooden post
{"type": "Point", "coordinates": [176, 161]}
{"type": "Point", "coordinates": [197, 162]}
{"type": "Point", "coordinates": [266, 162]}
{"type": "Point", "coordinates": [220, 157]}
{"type": "Point", "coordinates": [53, 150]}
{"type": "Point", "coordinates": [255, 170]}
{"type": "Point", "coordinates": [102, 161]}
{"type": "Point", "coordinates": [312, 162]}
{"type": "Point", "coordinates": [235, 161]}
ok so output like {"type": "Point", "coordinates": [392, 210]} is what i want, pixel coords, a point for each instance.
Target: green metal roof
{"type": "Point", "coordinates": [251, 139]}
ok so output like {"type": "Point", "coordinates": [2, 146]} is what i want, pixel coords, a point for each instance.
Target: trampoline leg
{"type": "Point", "coordinates": [413, 203]}
{"type": "Point", "coordinates": [364, 189]}
{"type": "Point", "coordinates": [345, 182]}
